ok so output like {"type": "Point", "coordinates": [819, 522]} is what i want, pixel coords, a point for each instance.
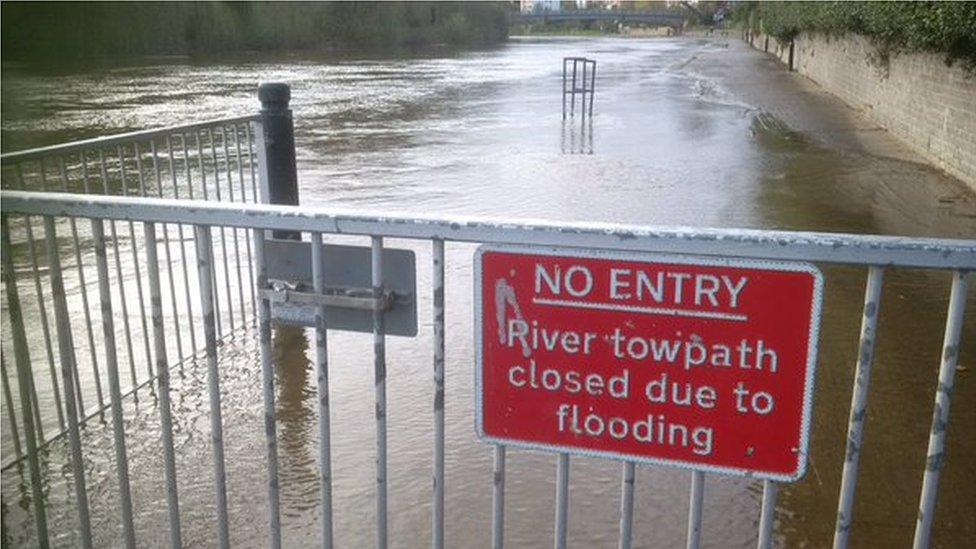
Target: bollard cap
{"type": "Point", "coordinates": [274, 95]}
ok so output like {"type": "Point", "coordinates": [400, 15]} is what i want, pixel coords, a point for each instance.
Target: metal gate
{"type": "Point", "coordinates": [148, 188]}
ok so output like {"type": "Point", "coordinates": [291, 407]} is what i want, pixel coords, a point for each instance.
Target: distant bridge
{"type": "Point", "coordinates": [663, 19]}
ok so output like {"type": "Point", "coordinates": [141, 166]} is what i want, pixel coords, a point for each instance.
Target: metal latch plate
{"type": "Point", "coordinates": [346, 267]}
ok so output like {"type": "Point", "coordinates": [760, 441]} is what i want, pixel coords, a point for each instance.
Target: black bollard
{"type": "Point", "coordinates": [279, 144]}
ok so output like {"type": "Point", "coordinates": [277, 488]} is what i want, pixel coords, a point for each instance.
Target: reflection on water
{"type": "Point", "coordinates": [296, 411]}
{"type": "Point", "coordinates": [474, 133]}
{"type": "Point", "coordinates": [576, 136]}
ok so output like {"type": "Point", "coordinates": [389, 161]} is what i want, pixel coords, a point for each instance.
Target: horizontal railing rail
{"type": "Point", "coordinates": [850, 249]}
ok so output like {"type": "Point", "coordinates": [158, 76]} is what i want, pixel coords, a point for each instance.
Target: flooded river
{"type": "Point", "coordinates": [685, 132]}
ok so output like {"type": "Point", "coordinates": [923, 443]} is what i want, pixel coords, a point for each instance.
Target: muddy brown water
{"type": "Point", "coordinates": [686, 132]}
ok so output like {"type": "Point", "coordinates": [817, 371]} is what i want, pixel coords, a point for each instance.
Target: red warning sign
{"type": "Point", "coordinates": [701, 363]}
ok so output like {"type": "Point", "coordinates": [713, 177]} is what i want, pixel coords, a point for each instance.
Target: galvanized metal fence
{"type": "Point", "coordinates": [212, 161]}
{"type": "Point", "coordinates": [228, 243]}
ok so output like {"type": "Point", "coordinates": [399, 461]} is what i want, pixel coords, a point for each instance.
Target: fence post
{"type": "Point", "coordinates": [279, 181]}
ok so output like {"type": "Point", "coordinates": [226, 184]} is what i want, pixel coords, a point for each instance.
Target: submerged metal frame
{"type": "Point", "coordinates": [579, 64]}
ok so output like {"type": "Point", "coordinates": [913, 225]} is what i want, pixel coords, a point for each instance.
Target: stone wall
{"type": "Point", "coordinates": [917, 98]}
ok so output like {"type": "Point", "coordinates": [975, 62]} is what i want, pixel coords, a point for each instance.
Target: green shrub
{"type": "Point", "coordinates": [947, 28]}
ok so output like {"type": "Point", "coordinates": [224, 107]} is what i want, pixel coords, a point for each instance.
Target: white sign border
{"type": "Point", "coordinates": [813, 344]}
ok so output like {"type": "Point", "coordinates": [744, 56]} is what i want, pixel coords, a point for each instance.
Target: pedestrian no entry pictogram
{"type": "Point", "coordinates": [702, 363]}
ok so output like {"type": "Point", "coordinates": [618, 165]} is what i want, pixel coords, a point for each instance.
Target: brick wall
{"type": "Point", "coordinates": [927, 105]}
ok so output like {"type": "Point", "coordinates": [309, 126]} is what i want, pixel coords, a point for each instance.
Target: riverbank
{"type": "Point", "coordinates": [927, 105]}
{"type": "Point", "coordinates": [57, 33]}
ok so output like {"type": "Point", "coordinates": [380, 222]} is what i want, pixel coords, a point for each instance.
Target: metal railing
{"type": "Point", "coordinates": [876, 253]}
{"type": "Point", "coordinates": [214, 161]}
{"type": "Point", "coordinates": [200, 192]}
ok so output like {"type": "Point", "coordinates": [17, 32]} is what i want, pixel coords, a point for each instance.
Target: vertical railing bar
{"type": "Point", "coordinates": [935, 455]}
{"type": "Point", "coordinates": [216, 162]}
{"type": "Point", "coordinates": [118, 270]}
{"type": "Point", "coordinates": [248, 233]}
{"type": "Point", "coordinates": [182, 239]}
{"type": "Point", "coordinates": [438, 283]}
{"type": "Point", "coordinates": [586, 89]}
{"type": "Point", "coordinates": [76, 388]}
{"type": "Point", "coordinates": [203, 245]}
{"type": "Point", "coordinates": [162, 367]}
{"type": "Point", "coordinates": [498, 498]}
{"type": "Point", "coordinates": [24, 377]}
{"type": "Point", "coordinates": [169, 255]}
{"type": "Point", "coordinates": [268, 393]}
{"type": "Point", "coordinates": [322, 378]}
{"type": "Point", "coordinates": [572, 92]}
{"type": "Point", "coordinates": [379, 367]}
{"type": "Point", "coordinates": [562, 500]}
{"type": "Point", "coordinates": [254, 186]}
{"type": "Point", "coordinates": [84, 291]}
{"type": "Point", "coordinates": [186, 275]}
{"type": "Point", "coordinates": [564, 88]}
{"type": "Point", "coordinates": [203, 170]}
{"type": "Point", "coordinates": [186, 165]}
{"type": "Point", "coordinates": [767, 515]}
{"type": "Point", "coordinates": [91, 337]}
{"type": "Point", "coordinates": [42, 308]}
{"type": "Point", "coordinates": [76, 385]}
{"type": "Point", "coordinates": [234, 231]}
{"type": "Point", "coordinates": [8, 400]}
{"type": "Point", "coordinates": [592, 90]}
{"type": "Point", "coordinates": [583, 96]}
{"type": "Point", "coordinates": [36, 408]}
{"type": "Point", "coordinates": [203, 185]}
{"type": "Point", "coordinates": [859, 403]}
{"type": "Point", "coordinates": [626, 505]}
{"type": "Point", "coordinates": [69, 378]}
{"type": "Point", "coordinates": [135, 260]}
{"type": "Point", "coordinates": [695, 509]}
{"type": "Point", "coordinates": [115, 392]}
{"type": "Point", "coordinates": [32, 389]}
{"type": "Point", "coordinates": [135, 254]}
{"type": "Point", "coordinates": [238, 157]}
{"type": "Point", "coordinates": [223, 235]}
{"type": "Point", "coordinates": [252, 163]}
